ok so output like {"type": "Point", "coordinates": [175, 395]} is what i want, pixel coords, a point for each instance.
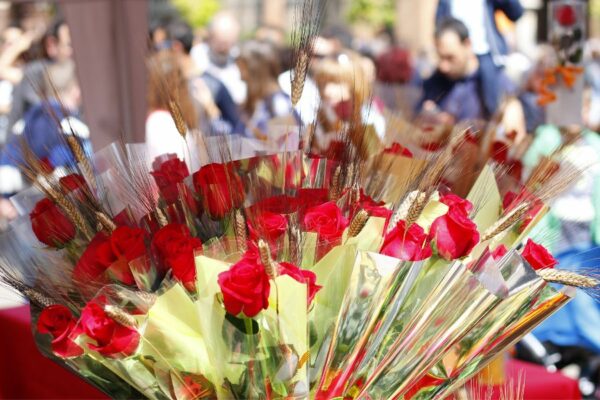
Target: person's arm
{"type": "Point", "coordinates": [511, 8]}
{"type": "Point", "coordinates": [443, 11]}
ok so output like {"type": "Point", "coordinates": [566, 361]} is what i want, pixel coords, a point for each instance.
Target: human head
{"type": "Point", "coordinates": [454, 49]}
{"type": "Point", "coordinates": [61, 82]}
{"type": "Point", "coordinates": [181, 36]}
{"type": "Point", "coordinates": [259, 68]}
{"type": "Point", "coordinates": [223, 35]}
{"type": "Point", "coordinates": [167, 82]}
{"type": "Point", "coordinates": [57, 42]}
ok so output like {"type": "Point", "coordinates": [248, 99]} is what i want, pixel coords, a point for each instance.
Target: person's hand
{"type": "Point", "coordinates": [7, 210]}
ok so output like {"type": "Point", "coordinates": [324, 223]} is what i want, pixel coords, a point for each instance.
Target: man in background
{"type": "Point", "coordinates": [217, 56]}
{"type": "Point", "coordinates": [487, 42]}
{"type": "Point", "coordinates": [457, 91]}
{"type": "Point", "coordinates": [207, 90]}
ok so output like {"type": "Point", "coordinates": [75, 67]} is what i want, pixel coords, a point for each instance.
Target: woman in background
{"type": "Point", "coordinates": [167, 83]}
{"type": "Point", "coordinates": [260, 67]}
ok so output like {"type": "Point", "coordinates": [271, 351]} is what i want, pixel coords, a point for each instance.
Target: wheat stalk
{"type": "Point", "coordinates": [120, 316]}
{"type": "Point", "coordinates": [568, 278]}
{"type": "Point", "coordinates": [300, 70]}
{"type": "Point", "coordinates": [265, 258]}
{"type": "Point", "coordinates": [160, 217]}
{"type": "Point", "coordinates": [506, 221]}
{"type": "Point", "coordinates": [358, 223]}
{"type": "Point", "coordinates": [84, 162]}
{"type": "Point", "coordinates": [177, 116]}
{"type": "Point", "coordinates": [105, 221]}
{"type": "Point", "coordinates": [241, 236]}
{"type": "Point", "coordinates": [335, 191]}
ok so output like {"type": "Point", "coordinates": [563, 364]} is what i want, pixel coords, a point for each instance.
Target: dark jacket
{"type": "Point", "coordinates": [511, 8]}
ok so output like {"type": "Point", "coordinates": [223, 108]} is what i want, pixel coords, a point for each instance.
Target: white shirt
{"type": "Point", "coordinates": [162, 137]}
{"type": "Point", "coordinates": [473, 14]}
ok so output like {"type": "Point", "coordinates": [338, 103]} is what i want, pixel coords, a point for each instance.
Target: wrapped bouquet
{"type": "Point", "coordinates": [281, 274]}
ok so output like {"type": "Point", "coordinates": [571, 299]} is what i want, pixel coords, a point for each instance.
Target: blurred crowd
{"type": "Point", "coordinates": [226, 85]}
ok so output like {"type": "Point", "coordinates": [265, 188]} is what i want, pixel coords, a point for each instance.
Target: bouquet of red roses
{"type": "Point", "coordinates": [280, 276]}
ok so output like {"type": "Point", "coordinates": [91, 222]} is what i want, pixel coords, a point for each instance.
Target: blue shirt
{"type": "Point", "coordinates": [461, 98]}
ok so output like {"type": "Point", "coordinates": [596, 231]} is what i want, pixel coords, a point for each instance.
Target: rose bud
{"type": "Point", "coordinates": [454, 201]}
{"type": "Point", "coordinates": [302, 276]}
{"type": "Point", "coordinates": [326, 220]}
{"type": "Point", "coordinates": [168, 175]}
{"type": "Point", "coordinates": [57, 321]}
{"type": "Point", "coordinates": [50, 225]}
{"type": "Point", "coordinates": [221, 189]}
{"type": "Point", "coordinates": [245, 287]}
{"type": "Point", "coordinates": [499, 252]}
{"type": "Point", "coordinates": [406, 244]}
{"type": "Point", "coordinates": [397, 149]}
{"type": "Point", "coordinates": [267, 225]}
{"type": "Point", "coordinates": [112, 339]}
{"type": "Point", "coordinates": [454, 234]}
{"type": "Point", "coordinates": [110, 256]}
{"type": "Point", "coordinates": [175, 248]}
{"type": "Point", "coordinates": [537, 256]}
{"type": "Point", "coordinates": [72, 182]}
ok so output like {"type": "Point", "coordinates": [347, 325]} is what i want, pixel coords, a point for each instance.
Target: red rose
{"type": "Point", "coordinates": [500, 152]}
{"type": "Point", "coordinates": [175, 247]}
{"type": "Point", "coordinates": [50, 225]}
{"type": "Point", "coordinates": [457, 202]}
{"type": "Point", "coordinates": [168, 175]}
{"type": "Point", "coordinates": [221, 189]}
{"type": "Point", "coordinates": [454, 233]}
{"type": "Point", "coordinates": [276, 204]}
{"type": "Point", "coordinates": [398, 149]}
{"type": "Point", "coordinates": [112, 338]}
{"type": "Point", "coordinates": [566, 15]}
{"type": "Point", "coordinates": [512, 200]}
{"type": "Point", "coordinates": [245, 287]}
{"type": "Point", "coordinates": [326, 220]}
{"type": "Point", "coordinates": [372, 207]}
{"type": "Point", "coordinates": [58, 321]}
{"type": "Point", "coordinates": [499, 252]}
{"type": "Point", "coordinates": [111, 254]}
{"type": "Point", "coordinates": [407, 245]}
{"type": "Point", "coordinates": [268, 225]}
{"type": "Point", "coordinates": [302, 276]}
{"type": "Point", "coordinates": [537, 256]}
{"type": "Point", "coordinates": [72, 182]}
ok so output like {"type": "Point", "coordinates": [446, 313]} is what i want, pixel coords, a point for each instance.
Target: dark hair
{"type": "Point", "coordinates": [452, 25]}
{"type": "Point", "coordinates": [181, 32]}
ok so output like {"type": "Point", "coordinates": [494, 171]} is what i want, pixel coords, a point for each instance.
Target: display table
{"type": "Point", "coordinates": [26, 374]}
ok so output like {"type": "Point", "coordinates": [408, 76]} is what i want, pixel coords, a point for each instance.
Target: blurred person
{"type": "Point", "coordinates": [345, 86]}
{"type": "Point", "coordinates": [14, 43]}
{"type": "Point", "coordinates": [167, 82]}
{"type": "Point", "coordinates": [45, 125]}
{"type": "Point", "coordinates": [56, 48]}
{"type": "Point", "coordinates": [217, 55]}
{"type": "Point", "coordinates": [592, 80]}
{"type": "Point", "coordinates": [457, 91]}
{"type": "Point", "coordinates": [260, 67]}
{"type": "Point", "coordinates": [271, 33]}
{"type": "Point", "coordinates": [210, 94]}
{"type": "Point", "coordinates": [487, 42]}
